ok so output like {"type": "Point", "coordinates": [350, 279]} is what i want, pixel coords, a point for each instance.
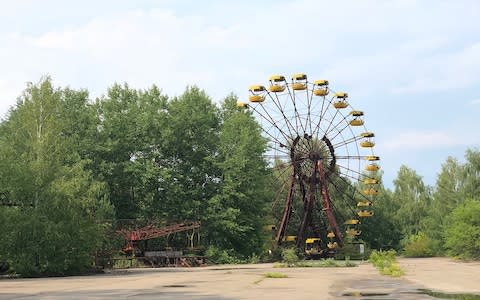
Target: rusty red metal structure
{"type": "Point", "coordinates": [309, 176]}
{"type": "Point", "coordinates": [316, 143]}
{"type": "Point", "coordinates": [132, 237]}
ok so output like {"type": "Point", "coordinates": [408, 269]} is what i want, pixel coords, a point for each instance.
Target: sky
{"type": "Point", "coordinates": [413, 67]}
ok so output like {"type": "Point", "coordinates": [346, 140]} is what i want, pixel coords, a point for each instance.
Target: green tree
{"type": "Point", "coordinates": [188, 174]}
{"type": "Point", "coordinates": [448, 194]}
{"type": "Point", "coordinates": [54, 225]}
{"type": "Point", "coordinates": [382, 231]}
{"type": "Point", "coordinates": [236, 214]}
{"type": "Point", "coordinates": [471, 185]}
{"type": "Point", "coordinates": [129, 134]}
{"type": "Point", "coordinates": [412, 198]}
{"type": "Point", "coordinates": [462, 233]}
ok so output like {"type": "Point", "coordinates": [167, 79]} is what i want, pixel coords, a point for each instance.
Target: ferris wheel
{"type": "Point", "coordinates": [322, 160]}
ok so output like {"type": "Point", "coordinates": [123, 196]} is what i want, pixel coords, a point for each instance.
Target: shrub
{"type": "Point", "coordinates": [220, 256]}
{"type": "Point", "coordinates": [289, 256]}
{"type": "Point", "coordinates": [385, 262]}
{"type": "Point", "coordinates": [462, 234]}
{"type": "Point", "coordinates": [275, 275]}
{"type": "Point", "coordinates": [418, 245]}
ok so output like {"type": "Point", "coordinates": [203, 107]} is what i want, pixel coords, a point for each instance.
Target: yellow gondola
{"type": "Point", "coordinates": [370, 181]}
{"type": "Point", "coordinates": [341, 103]}
{"type": "Point", "coordinates": [290, 238]}
{"type": "Point", "coordinates": [356, 113]}
{"type": "Point", "coordinates": [258, 93]}
{"type": "Point", "coordinates": [365, 213]}
{"type": "Point", "coordinates": [242, 105]}
{"type": "Point", "coordinates": [370, 192]}
{"type": "Point", "coordinates": [275, 88]}
{"type": "Point", "coordinates": [367, 144]}
{"type": "Point", "coordinates": [372, 158]}
{"type": "Point", "coordinates": [367, 134]}
{"type": "Point", "coordinates": [332, 246]}
{"type": "Point", "coordinates": [269, 228]}
{"type": "Point", "coordinates": [356, 122]}
{"type": "Point", "coordinates": [299, 82]}
{"type": "Point", "coordinates": [352, 232]}
{"type": "Point", "coordinates": [364, 203]}
{"type": "Point", "coordinates": [320, 92]}
{"type": "Point", "coordinates": [372, 167]}
{"type": "Point", "coordinates": [277, 83]}
{"type": "Point", "coordinates": [352, 222]}
{"type": "Point", "coordinates": [320, 87]}
{"type": "Point", "coordinates": [320, 82]}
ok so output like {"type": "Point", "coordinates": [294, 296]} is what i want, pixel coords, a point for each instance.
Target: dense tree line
{"type": "Point", "coordinates": [426, 221]}
{"type": "Point", "coordinates": [71, 167]}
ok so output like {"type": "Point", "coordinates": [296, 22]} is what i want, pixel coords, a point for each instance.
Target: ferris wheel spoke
{"type": "Point", "coordinates": [322, 116]}
{"type": "Point", "coordinates": [308, 121]}
{"type": "Point", "coordinates": [346, 157]}
{"type": "Point", "coordinates": [347, 173]}
{"type": "Point", "coordinates": [330, 124]}
{"type": "Point", "coordinates": [278, 105]}
{"type": "Point", "coordinates": [361, 174]}
{"type": "Point", "coordinates": [297, 115]}
{"type": "Point", "coordinates": [269, 119]}
{"type": "Point", "coordinates": [342, 121]}
{"type": "Point", "coordinates": [348, 141]}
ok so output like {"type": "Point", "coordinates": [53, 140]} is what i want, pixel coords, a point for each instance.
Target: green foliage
{"type": "Point", "coordinates": [462, 234]}
{"type": "Point", "coordinates": [382, 231]}
{"type": "Point", "coordinates": [221, 256]}
{"type": "Point", "coordinates": [275, 275]}
{"type": "Point", "coordinates": [235, 214]}
{"type": "Point", "coordinates": [289, 256]}
{"type": "Point", "coordinates": [418, 245]}
{"type": "Point", "coordinates": [326, 263]}
{"type": "Point", "coordinates": [412, 198]}
{"type": "Point", "coordinates": [55, 224]}
{"type": "Point", "coordinates": [385, 262]}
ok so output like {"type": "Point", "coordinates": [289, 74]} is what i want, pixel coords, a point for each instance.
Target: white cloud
{"type": "Point", "coordinates": [423, 140]}
{"type": "Point", "coordinates": [367, 47]}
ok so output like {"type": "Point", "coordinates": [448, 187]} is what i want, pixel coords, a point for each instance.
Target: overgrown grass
{"type": "Point", "coordinates": [327, 263]}
{"type": "Point", "coordinates": [386, 263]}
{"type": "Point", "coordinates": [271, 275]}
{"type": "Point", "coordinates": [275, 275]}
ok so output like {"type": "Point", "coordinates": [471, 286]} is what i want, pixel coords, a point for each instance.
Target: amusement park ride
{"type": "Point", "coordinates": [316, 145]}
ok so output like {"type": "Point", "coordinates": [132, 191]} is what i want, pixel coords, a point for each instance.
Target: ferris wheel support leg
{"type": "Point", "coordinates": [307, 216]}
{"type": "Point", "coordinates": [327, 207]}
{"type": "Point", "coordinates": [286, 212]}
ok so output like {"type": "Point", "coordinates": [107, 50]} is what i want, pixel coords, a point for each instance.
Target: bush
{"type": "Point", "coordinates": [289, 256]}
{"type": "Point", "coordinates": [385, 262]}
{"type": "Point", "coordinates": [58, 241]}
{"type": "Point", "coordinates": [275, 275]}
{"type": "Point", "coordinates": [221, 256]}
{"type": "Point", "coordinates": [462, 234]}
{"type": "Point", "coordinates": [418, 245]}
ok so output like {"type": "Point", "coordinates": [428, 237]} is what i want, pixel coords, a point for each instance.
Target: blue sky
{"type": "Point", "coordinates": [413, 67]}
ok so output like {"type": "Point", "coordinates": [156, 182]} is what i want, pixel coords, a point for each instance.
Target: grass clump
{"type": "Point", "coordinates": [386, 263]}
{"type": "Point", "coordinates": [326, 263]}
{"type": "Point", "coordinates": [275, 275]}
{"type": "Point", "coordinates": [290, 257]}
{"type": "Point", "coordinates": [270, 275]}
